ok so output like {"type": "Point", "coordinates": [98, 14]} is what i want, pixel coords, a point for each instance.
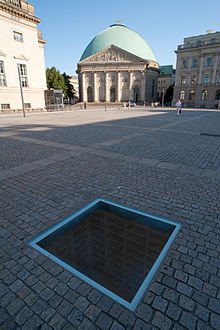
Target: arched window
{"type": "Point", "coordinates": [204, 95]}
{"type": "Point", "coordinates": [182, 95]}
{"type": "Point", "coordinates": [217, 94]}
{"type": "Point", "coordinates": [89, 94]}
{"type": "Point", "coordinates": [112, 94]}
{"type": "Point", "coordinates": [192, 95]}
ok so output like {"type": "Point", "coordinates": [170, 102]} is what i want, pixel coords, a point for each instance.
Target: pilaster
{"type": "Point", "coordinates": [214, 69]}
{"type": "Point", "coordinates": [200, 70]}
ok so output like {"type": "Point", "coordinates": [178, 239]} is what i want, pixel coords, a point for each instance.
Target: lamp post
{"type": "Point", "coordinates": [21, 89]}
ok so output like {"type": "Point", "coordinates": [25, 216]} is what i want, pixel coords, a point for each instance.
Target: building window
{"type": "Point", "coordinates": [218, 79]}
{"type": "Point", "coordinates": [206, 79]}
{"type": "Point", "coordinates": [183, 80]}
{"type": "Point", "coordinates": [191, 95]}
{"type": "Point", "coordinates": [194, 62]}
{"type": "Point", "coordinates": [217, 95]}
{"type": "Point", "coordinates": [5, 106]}
{"type": "Point", "coordinates": [23, 74]}
{"type": "Point", "coordinates": [185, 63]}
{"type": "Point", "coordinates": [204, 95]}
{"type": "Point", "coordinates": [18, 36]}
{"type": "Point", "coordinates": [209, 61]}
{"type": "Point", "coordinates": [193, 80]}
{"type": "Point", "coordinates": [2, 74]}
{"type": "Point", "coordinates": [182, 95]}
{"type": "Point", "coordinates": [27, 105]}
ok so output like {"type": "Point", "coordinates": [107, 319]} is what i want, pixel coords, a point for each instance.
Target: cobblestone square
{"type": "Point", "coordinates": [53, 164]}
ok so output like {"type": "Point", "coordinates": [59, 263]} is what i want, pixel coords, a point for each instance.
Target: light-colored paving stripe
{"type": "Point", "coordinates": [94, 149]}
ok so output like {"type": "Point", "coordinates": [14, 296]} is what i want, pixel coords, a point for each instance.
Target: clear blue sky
{"type": "Point", "coordinates": [69, 25]}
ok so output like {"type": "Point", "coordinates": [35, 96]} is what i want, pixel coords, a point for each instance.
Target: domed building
{"type": "Point", "coordinates": [118, 66]}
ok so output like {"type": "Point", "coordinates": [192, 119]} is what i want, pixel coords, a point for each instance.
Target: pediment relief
{"type": "Point", "coordinates": [113, 54]}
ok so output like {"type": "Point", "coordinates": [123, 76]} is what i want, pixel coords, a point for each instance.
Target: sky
{"type": "Point", "coordinates": [69, 25]}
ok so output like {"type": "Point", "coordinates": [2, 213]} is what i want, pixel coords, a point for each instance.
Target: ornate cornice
{"type": "Point", "coordinates": [18, 13]}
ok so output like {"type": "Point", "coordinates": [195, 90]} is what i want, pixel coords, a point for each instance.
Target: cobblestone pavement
{"type": "Point", "coordinates": [52, 164]}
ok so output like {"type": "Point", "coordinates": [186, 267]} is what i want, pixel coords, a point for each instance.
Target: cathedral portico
{"type": "Point", "coordinates": [114, 74]}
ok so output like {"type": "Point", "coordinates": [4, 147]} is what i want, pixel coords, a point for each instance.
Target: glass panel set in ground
{"type": "Point", "coordinates": [114, 247]}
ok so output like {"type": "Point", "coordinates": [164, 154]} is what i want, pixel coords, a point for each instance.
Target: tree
{"type": "Point", "coordinates": [55, 79]}
{"type": "Point", "coordinates": [70, 91]}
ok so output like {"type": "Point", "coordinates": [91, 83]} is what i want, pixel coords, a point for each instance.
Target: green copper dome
{"type": "Point", "coordinates": [121, 36]}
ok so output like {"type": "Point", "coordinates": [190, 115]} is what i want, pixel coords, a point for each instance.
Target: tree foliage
{"type": "Point", "coordinates": [70, 91]}
{"type": "Point", "coordinates": [56, 80]}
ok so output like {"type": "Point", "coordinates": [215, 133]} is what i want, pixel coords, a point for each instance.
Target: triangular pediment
{"type": "Point", "coordinates": [112, 54]}
{"type": "Point", "coordinates": [2, 54]}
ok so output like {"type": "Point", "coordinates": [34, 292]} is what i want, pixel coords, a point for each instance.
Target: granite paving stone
{"type": "Point", "coordinates": [173, 311]}
{"type": "Point", "coordinates": [86, 324]}
{"type": "Point", "coordinates": [64, 308]}
{"type": "Point", "coordinates": [81, 303]}
{"type": "Point", "coordinates": [104, 321]}
{"type": "Point", "coordinates": [117, 326]}
{"type": "Point", "coordinates": [53, 164]}
{"type": "Point", "coordinates": [92, 312]}
{"type": "Point", "coordinates": [115, 310]}
{"type": "Point", "coordinates": [127, 318]}
{"type": "Point", "coordinates": [75, 317]}
{"type": "Point", "coordinates": [161, 321]}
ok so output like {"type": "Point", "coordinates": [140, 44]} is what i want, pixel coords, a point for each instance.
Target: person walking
{"type": "Point", "coordinates": [178, 107]}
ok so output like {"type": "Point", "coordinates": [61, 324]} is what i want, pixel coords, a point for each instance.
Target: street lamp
{"type": "Point", "coordinates": [21, 89]}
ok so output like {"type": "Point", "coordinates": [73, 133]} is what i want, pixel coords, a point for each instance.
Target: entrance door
{"type": "Point", "coordinates": [89, 94]}
{"type": "Point", "coordinates": [136, 94]}
{"type": "Point", "coordinates": [112, 94]}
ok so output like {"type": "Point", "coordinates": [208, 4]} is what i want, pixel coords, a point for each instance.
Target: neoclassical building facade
{"type": "Point", "coordinates": [22, 67]}
{"type": "Point", "coordinates": [197, 81]}
{"type": "Point", "coordinates": [118, 66]}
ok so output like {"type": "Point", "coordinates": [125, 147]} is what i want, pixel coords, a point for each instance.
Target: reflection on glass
{"type": "Point", "coordinates": [115, 248]}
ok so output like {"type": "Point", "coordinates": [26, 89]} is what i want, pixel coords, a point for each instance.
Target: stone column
{"type": "Point", "coordinates": [215, 64]}
{"type": "Point", "coordinates": [106, 88]}
{"type": "Point", "coordinates": [84, 94]}
{"type": "Point", "coordinates": [200, 70]}
{"type": "Point", "coordinates": [119, 88]}
{"type": "Point", "coordinates": [95, 86]}
{"type": "Point", "coordinates": [143, 86]}
{"type": "Point", "coordinates": [130, 86]}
